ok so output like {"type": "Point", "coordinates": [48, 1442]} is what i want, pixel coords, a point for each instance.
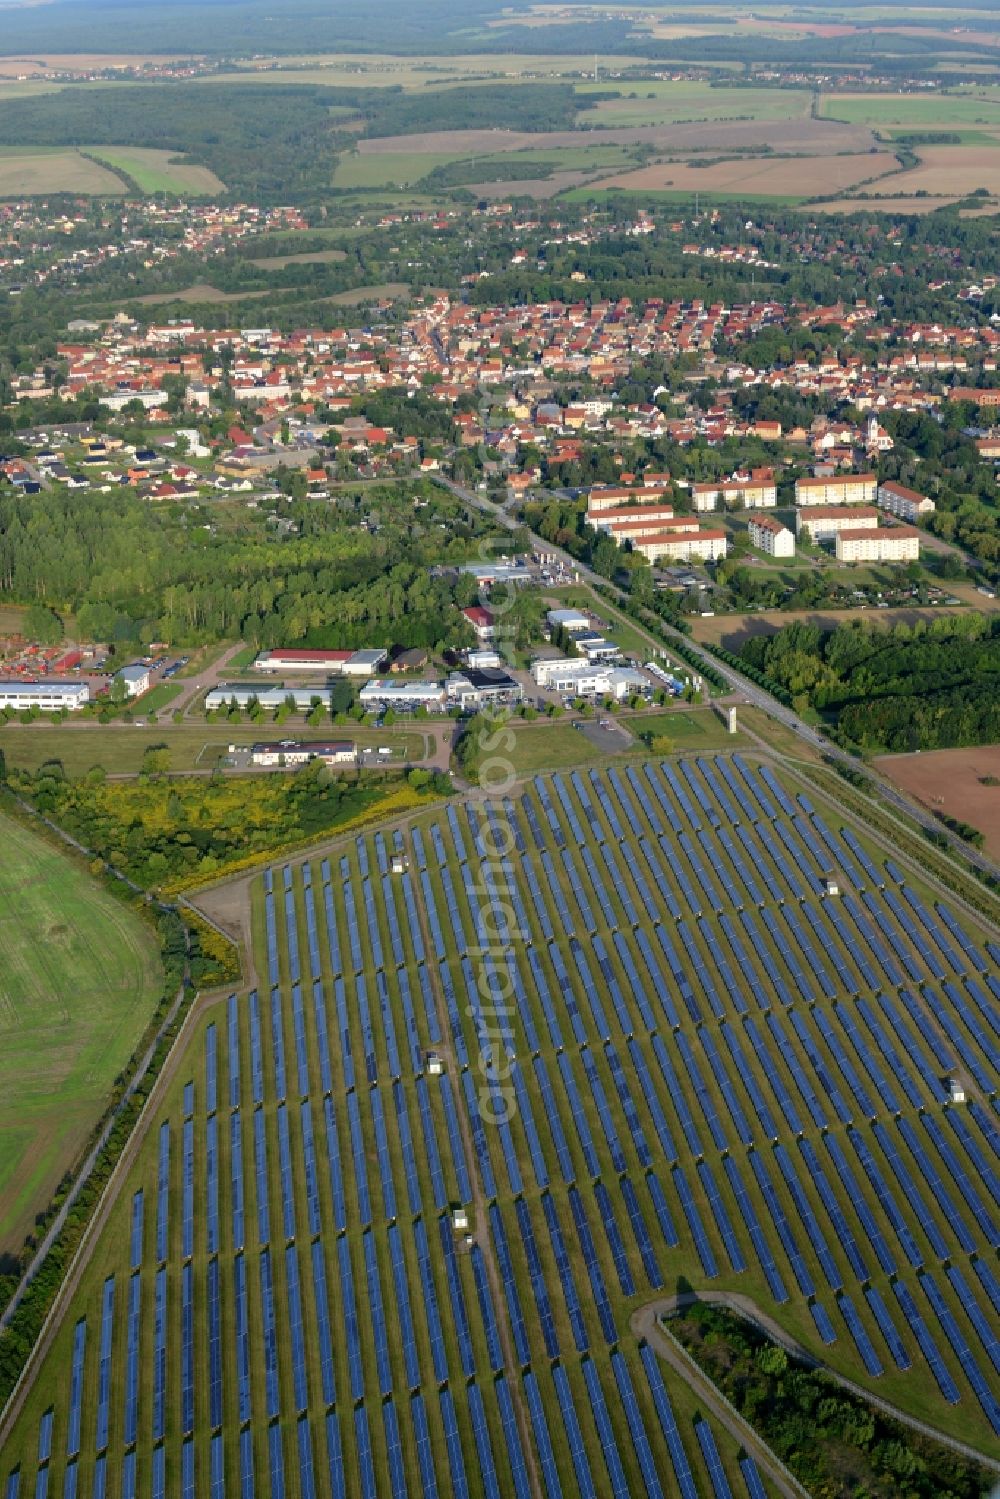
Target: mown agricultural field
{"type": "Point", "coordinates": [668, 1055]}
{"type": "Point", "coordinates": [79, 977]}
{"type": "Point", "coordinates": [160, 171]}
{"type": "Point", "coordinates": [37, 169]}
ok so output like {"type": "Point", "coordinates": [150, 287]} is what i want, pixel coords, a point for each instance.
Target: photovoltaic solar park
{"type": "Point", "coordinates": [514, 1071]}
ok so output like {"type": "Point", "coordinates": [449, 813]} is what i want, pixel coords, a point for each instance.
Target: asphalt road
{"type": "Point", "coordinates": [756, 696]}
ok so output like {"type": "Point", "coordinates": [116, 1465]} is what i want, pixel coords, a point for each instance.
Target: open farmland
{"type": "Point", "coordinates": [946, 170]}
{"type": "Point", "coordinates": [160, 171]}
{"type": "Point", "coordinates": [710, 1070]}
{"type": "Point", "coordinates": [78, 981]}
{"type": "Point", "coordinates": [753, 177]}
{"type": "Point", "coordinates": [652, 103]}
{"type": "Point", "coordinates": [26, 171]}
{"type": "Point", "coordinates": [952, 781]}
{"type": "Point", "coordinates": [916, 111]}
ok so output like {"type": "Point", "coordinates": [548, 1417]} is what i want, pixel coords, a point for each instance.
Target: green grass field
{"type": "Point", "coordinates": [78, 978]}
{"type": "Point", "coordinates": [918, 111]}
{"type": "Point", "coordinates": [668, 103]}
{"type": "Point", "coordinates": [119, 747]}
{"type": "Point", "coordinates": [157, 171]}
{"type": "Point", "coordinates": [376, 1159]}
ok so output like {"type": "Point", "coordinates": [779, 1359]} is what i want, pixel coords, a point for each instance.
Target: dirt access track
{"type": "Point", "coordinates": [951, 781]}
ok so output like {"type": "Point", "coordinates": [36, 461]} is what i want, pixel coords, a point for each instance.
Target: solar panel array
{"type": "Point", "coordinates": [701, 1052]}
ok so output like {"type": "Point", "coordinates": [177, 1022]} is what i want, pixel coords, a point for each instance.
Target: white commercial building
{"type": "Point", "coordinates": [839, 489]}
{"type": "Point", "coordinates": [583, 679]}
{"type": "Point", "coordinates": [48, 696]}
{"type": "Point", "coordinates": [136, 679]}
{"type": "Point", "coordinates": [769, 535]}
{"type": "Point", "coordinates": [292, 753]}
{"type": "Point", "coordinates": [274, 696]}
{"type": "Point", "coordinates": [384, 693]}
{"type": "Point", "coordinates": [570, 620]}
{"type": "Point", "coordinates": [905, 503]}
{"type": "Point", "coordinates": [879, 544]}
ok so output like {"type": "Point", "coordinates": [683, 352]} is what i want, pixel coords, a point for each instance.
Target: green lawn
{"type": "Point", "coordinates": [930, 111]}
{"type": "Point", "coordinates": [161, 696]}
{"type": "Point", "coordinates": [78, 981]}
{"type": "Point", "coordinates": [119, 747]}
{"type": "Point", "coordinates": [667, 103]}
{"type": "Point", "coordinates": [690, 729]}
{"type": "Point", "coordinates": [541, 746]}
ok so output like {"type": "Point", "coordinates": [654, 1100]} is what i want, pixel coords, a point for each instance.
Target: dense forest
{"type": "Point", "coordinates": [132, 573]}
{"type": "Point", "coordinates": [931, 685]}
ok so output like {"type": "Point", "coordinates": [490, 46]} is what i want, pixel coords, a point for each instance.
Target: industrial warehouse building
{"type": "Point", "coordinates": [48, 697]}
{"type": "Point", "coordinates": [331, 663]}
{"type": "Point", "coordinates": [274, 696]}
{"type": "Point", "coordinates": [292, 753]}
{"type": "Point", "coordinates": [584, 679]}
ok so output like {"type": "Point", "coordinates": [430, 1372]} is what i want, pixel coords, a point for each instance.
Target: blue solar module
{"type": "Point", "coordinates": [285, 1173]}
{"type": "Point", "coordinates": [212, 1184]}
{"type": "Point", "coordinates": [425, 1453]}
{"type": "Point", "coordinates": [242, 1334]}
{"type": "Point", "coordinates": [376, 1324]}
{"type": "Point", "coordinates": [579, 1117]}
{"type": "Point", "coordinates": [713, 1462]}
{"type": "Point", "coordinates": [406, 1148]}
{"type": "Point", "coordinates": [760, 1244]}
{"type": "Point", "coordinates": [358, 1154]}
{"type": "Point", "coordinates": [99, 1485]}
{"type": "Point", "coordinates": [637, 1430]}
{"type": "Point", "coordinates": [886, 1201]}
{"type": "Point", "coordinates": [772, 1201]}
{"type": "Point", "coordinates": [45, 1436]}
{"type": "Point", "coordinates": [278, 1045]}
{"type": "Point", "coordinates": [276, 1462]}
{"type": "Point", "coordinates": [985, 1331]}
{"type": "Point", "coordinates": [350, 910]}
{"type": "Point", "coordinates": [187, 1349]}
{"type": "Point", "coordinates": [809, 1221]}
{"type": "Point", "coordinates": [604, 1111]}
{"type": "Point", "coordinates": [159, 1477]}
{"type": "Point", "coordinates": [453, 1444]}
{"type": "Point", "coordinates": [211, 1069]}
{"type": "Point", "coordinates": [460, 1319]}
{"type": "Point", "coordinates": [959, 1346]}
{"type": "Point", "coordinates": [926, 1343]}
{"type": "Point", "coordinates": [686, 1486]}
{"type": "Point", "coordinates": [590, 990]}
{"type": "Point", "coordinates": [256, 1052]}
{"type": "Point", "coordinates": [874, 941]}
{"type": "Point", "coordinates": [821, 1318]}
{"type": "Point", "coordinates": [784, 1099]}
{"type": "Point", "coordinates": [971, 1055]}
{"type": "Point", "coordinates": [527, 1119]}
{"type": "Point", "coordinates": [719, 1212]}
{"type": "Point", "coordinates": [395, 1460]}
{"type": "Point", "coordinates": [574, 1437]}
{"type": "Point", "coordinates": [988, 1282]}
{"type": "Point", "coordinates": [135, 1231]}
{"type": "Point", "coordinates": [247, 1485]}
{"type": "Point", "coordinates": [216, 1468]}
{"type": "Point", "coordinates": [455, 1142]}
{"type": "Point", "coordinates": [677, 1097]}
{"type": "Point", "coordinates": [382, 1150]}
{"type": "Point", "coordinates": [602, 1305]}
{"type": "Point", "coordinates": [321, 1307]}
{"type": "Point", "coordinates": [187, 1194]}
{"type": "Point", "coordinates": [894, 1342]}
{"type": "Point", "coordinates": [430, 1302]}
{"type": "Point", "coordinates": [356, 1378]}
{"type": "Point", "coordinates": [515, 1314]}
{"type": "Point", "coordinates": [609, 1447]}
{"type": "Point", "coordinates": [301, 1044]}
{"type": "Point", "coordinates": [763, 1112]}
{"type": "Point", "coordinates": [431, 1154]}
{"type": "Point", "coordinates": [646, 1252]}
{"type": "Point", "coordinates": [13, 1488]}
{"type": "Point", "coordinates": [484, 1447]}
{"type": "Point", "coordinates": [128, 1490]}
{"type": "Point", "coordinates": [537, 1278]}
{"type": "Point", "coordinates": [553, 1122]}
{"type": "Point", "coordinates": [983, 1170]}
{"type": "Point", "coordinates": [260, 1176]}
{"type": "Point", "coordinates": [704, 1097]}
{"type": "Point", "coordinates": [132, 1329]}
{"type": "Point", "coordinates": [404, 1313]}
{"type": "Point", "coordinates": [901, 1175]}
{"type": "Point", "coordinates": [701, 1242]}
{"type": "Point", "coordinates": [159, 1353]}
{"type": "Point", "coordinates": [717, 1070]}
{"type": "Point", "coordinates": [859, 1333]}
{"type": "Point", "coordinates": [627, 1102]}
{"type": "Point", "coordinates": [752, 1479]}
{"type": "Point", "coordinates": [905, 1037]}
{"type": "Point", "coordinates": [841, 1227]}
{"type": "Point", "coordinates": [214, 1345]}
{"type": "Point", "coordinates": [271, 1385]}
{"type": "Point", "coordinates": [296, 1327]}
{"type": "Point", "coordinates": [932, 1177]}
{"type": "Point", "coordinates": [76, 1388]}
{"type": "Point", "coordinates": [162, 1192]}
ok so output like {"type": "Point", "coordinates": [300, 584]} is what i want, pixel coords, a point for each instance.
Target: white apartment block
{"type": "Point", "coordinates": [768, 535]}
{"type": "Point", "coordinates": [612, 496]}
{"type": "Point", "coordinates": [875, 544]}
{"type": "Point", "coordinates": [824, 522]}
{"type": "Point", "coordinates": [732, 494]}
{"type": "Point", "coordinates": [615, 521]}
{"type": "Point", "coordinates": [840, 489]}
{"type": "Point", "coordinates": [905, 503]}
{"type": "Point", "coordinates": [48, 697]}
{"type": "Point", "coordinates": [683, 546]}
